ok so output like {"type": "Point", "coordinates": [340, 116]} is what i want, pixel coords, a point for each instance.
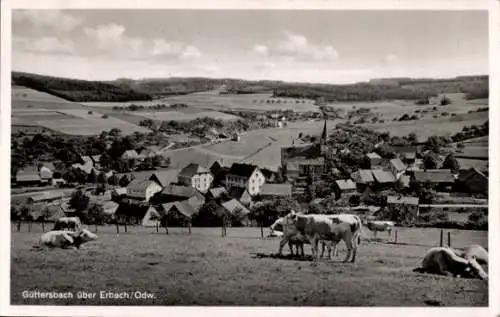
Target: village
{"type": "Point", "coordinates": [405, 184]}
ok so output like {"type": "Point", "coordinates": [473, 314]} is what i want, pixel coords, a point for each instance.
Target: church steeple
{"type": "Point", "coordinates": [324, 134]}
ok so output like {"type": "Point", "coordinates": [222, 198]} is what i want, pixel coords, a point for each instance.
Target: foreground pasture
{"type": "Point", "coordinates": [206, 269]}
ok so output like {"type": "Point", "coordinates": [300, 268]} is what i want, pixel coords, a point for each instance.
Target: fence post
{"type": "Point", "coordinates": [43, 226]}
{"type": "Point", "coordinates": [117, 228]}
{"type": "Point", "coordinates": [441, 238]}
{"type": "Point", "coordinates": [157, 227]}
{"type": "Point", "coordinates": [125, 226]}
{"type": "Point", "coordinates": [396, 237]}
{"type": "Point", "coordinates": [166, 229]}
{"type": "Point", "coordinates": [189, 227]}
{"type": "Point", "coordinates": [19, 226]}
{"type": "Point", "coordinates": [449, 239]}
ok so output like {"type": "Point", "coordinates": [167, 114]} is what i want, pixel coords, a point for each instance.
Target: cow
{"type": "Point", "coordinates": [66, 239]}
{"type": "Point", "coordinates": [291, 235]}
{"type": "Point", "coordinates": [473, 251]}
{"type": "Point", "coordinates": [380, 225]}
{"type": "Point", "coordinates": [322, 227]}
{"type": "Point", "coordinates": [355, 223]}
{"type": "Point", "coordinates": [68, 223]}
{"type": "Point", "coordinates": [443, 261]}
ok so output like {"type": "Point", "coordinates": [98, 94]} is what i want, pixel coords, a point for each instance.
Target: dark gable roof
{"type": "Point", "coordinates": [192, 169]}
{"type": "Point", "coordinates": [240, 169]}
{"type": "Point", "coordinates": [465, 175]}
{"type": "Point", "coordinates": [164, 177]}
{"type": "Point", "coordinates": [434, 176]}
{"type": "Point", "coordinates": [139, 184]}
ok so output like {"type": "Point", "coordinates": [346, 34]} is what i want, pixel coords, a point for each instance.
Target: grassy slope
{"type": "Point", "coordinates": [205, 269]}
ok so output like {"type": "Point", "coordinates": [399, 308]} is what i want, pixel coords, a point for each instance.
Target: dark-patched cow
{"type": "Point", "coordinates": [68, 223]}
{"type": "Point", "coordinates": [356, 226]}
{"type": "Point", "coordinates": [323, 227]}
{"type": "Point", "coordinates": [474, 251]}
{"type": "Point", "coordinates": [66, 239]}
{"type": "Point", "coordinates": [444, 261]}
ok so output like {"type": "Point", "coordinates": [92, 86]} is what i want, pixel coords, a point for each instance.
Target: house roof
{"type": "Point", "coordinates": [373, 155]}
{"type": "Point", "coordinates": [405, 180]}
{"type": "Point", "coordinates": [276, 189]}
{"type": "Point", "coordinates": [47, 195]}
{"type": "Point", "coordinates": [409, 155]}
{"type": "Point", "coordinates": [398, 164]}
{"type": "Point", "coordinates": [164, 177]}
{"type": "Point", "coordinates": [110, 207]}
{"type": "Point", "coordinates": [179, 190]}
{"type": "Point", "coordinates": [363, 176]}
{"type": "Point", "coordinates": [240, 193]}
{"type": "Point", "coordinates": [192, 169]}
{"type": "Point", "coordinates": [29, 174]}
{"type": "Point", "coordinates": [139, 184]}
{"type": "Point", "coordinates": [465, 175]}
{"type": "Point", "coordinates": [305, 151]}
{"type": "Point", "coordinates": [120, 191]}
{"type": "Point", "coordinates": [183, 207]}
{"type": "Point", "coordinates": [434, 176]}
{"type": "Point", "coordinates": [345, 184]}
{"type": "Point", "coordinates": [217, 192]}
{"type": "Point", "coordinates": [234, 205]}
{"type": "Point", "coordinates": [48, 165]}
{"type": "Point", "coordinates": [382, 176]}
{"type": "Point", "coordinates": [240, 169]}
{"type": "Point", "coordinates": [407, 200]}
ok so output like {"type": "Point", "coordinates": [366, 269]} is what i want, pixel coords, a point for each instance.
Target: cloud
{"type": "Point", "coordinates": [111, 40]}
{"type": "Point", "coordinates": [54, 19]}
{"type": "Point", "coordinates": [260, 49]}
{"type": "Point", "coordinates": [45, 45]}
{"type": "Point", "coordinates": [297, 47]}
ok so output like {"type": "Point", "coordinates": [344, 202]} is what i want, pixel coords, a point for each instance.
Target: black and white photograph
{"type": "Point", "coordinates": [248, 157]}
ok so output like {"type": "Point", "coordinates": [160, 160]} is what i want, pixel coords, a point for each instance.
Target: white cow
{"type": "Point", "coordinates": [68, 223]}
{"type": "Point", "coordinates": [380, 225]}
{"type": "Point", "coordinates": [324, 227]}
{"type": "Point", "coordinates": [473, 251]}
{"type": "Point", "coordinates": [444, 261]}
{"type": "Point", "coordinates": [66, 239]}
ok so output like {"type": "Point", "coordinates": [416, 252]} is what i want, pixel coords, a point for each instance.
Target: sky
{"type": "Point", "coordinates": [299, 45]}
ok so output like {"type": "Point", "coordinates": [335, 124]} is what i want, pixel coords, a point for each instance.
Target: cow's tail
{"type": "Point", "coordinates": [356, 230]}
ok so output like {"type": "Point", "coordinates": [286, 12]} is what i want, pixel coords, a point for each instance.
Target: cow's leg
{"type": "Point", "coordinates": [389, 231]}
{"type": "Point", "coordinates": [314, 245]}
{"type": "Point", "coordinates": [282, 244]}
{"type": "Point", "coordinates": [348, 243]}
{"type": "Point", "coordinates": [322, 248]}
{"type": "Point", "coordinates": [302, 249]}
{"type": "Point", "coordinates": [290, 246]}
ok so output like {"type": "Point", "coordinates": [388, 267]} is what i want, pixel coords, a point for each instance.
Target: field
{"type": "Point", "coordinates": [206, 269]}
{"type": "Point", "coordinates": [33, 107]}
{"type": "Point", "coordinates": [183, 116]}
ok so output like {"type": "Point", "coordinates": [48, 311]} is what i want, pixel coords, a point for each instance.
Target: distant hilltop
{"type": "Point", "coordinates": [124, 89]}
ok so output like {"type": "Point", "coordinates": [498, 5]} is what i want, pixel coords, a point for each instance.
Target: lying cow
{"type": "Point", "coordinates": [474, 251]}
{"type": "Point", "coordinates": [322, 227]}
{"type": "Point", "coordinates": [380, 225]}
{"type": "Point", "coordinates": [444, 261]}
{"type": "Point", "coordinates": [68, 223]}
{"type": "Point", "coordinates": [66, 239]}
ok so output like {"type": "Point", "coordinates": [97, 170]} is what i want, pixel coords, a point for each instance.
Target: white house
{"type": "Point", "coordinates": [245, 176]}
{"type": "Point", "coordinates": [196, 176]}
{"type": "Point", "coordinates": [143, 189]}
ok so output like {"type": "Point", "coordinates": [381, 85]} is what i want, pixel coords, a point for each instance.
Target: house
{"type": "Point", "coordinates": [49, 165]}
{"type": "Point", "coordinates": [131, 213]}
{"type": "Point", "coordinates": [142, 189]}
{"type": "Point", "coordinates": [407, 154]}
{"type": "Point", "coordinates": [242, 195]}
{"type": "Point", "coordinates": [439, 178]}
{"type": "Point", "coordinates": [178, 213]}
{"type": "Point", "coordinates": [473, 181]}
{"type": "Point", "coordinates": [364, 177]}
{"type": "Point", "coordinates": [269, 191]}
{"type": "Point", "coordinates": [196, 176]}
{"type": "Point", "coordinates": [28, 176]}
{"type": "Point", "coordinates": [383, 178]}
{"type": "Point", "coordinates": [245, 176]}
{"type": "Point", "coordinates": [130, 154]}
{"type": "Point", "coordinates": [219, 173]}
{"type": "Point", "coordinates": [404, 181]}
{"type": "Point", "coordinates": [152, 217]}
{"type": "Point", "coordinates": [373, 159]}
{"type": "Point", "coordinates": [269, 175]}
{"type": "Point", "coordinates": [175, 192]}
{"type": "Point", "coordinates": [397, 167]}
{"type": "Point", "coordinates": [163, 177]}
{"type": "Point", "coordinates": [217, 193]}
{"type": "Point", "coordinates": [110, 207]}
{"type": "Point", "coordinates": [345, 186]}
{"type": "Point", "coordinates": [408, 206]}
{"type": "Point", "coordinates": [235, 210]}
{"type": "Point", "coordinates": [297, 161]}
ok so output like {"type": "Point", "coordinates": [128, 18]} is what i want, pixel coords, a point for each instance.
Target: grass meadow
{"type": "Point", "coordinates": [206, 269]}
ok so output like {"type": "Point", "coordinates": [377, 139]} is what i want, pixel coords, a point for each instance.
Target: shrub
{"type": "Point", "coordinates": [105, 116]}
{"type": "Point", "coordinates": [90, 112]}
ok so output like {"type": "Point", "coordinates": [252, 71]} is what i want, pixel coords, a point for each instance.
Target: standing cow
{"type": "Point", "coordinates": [290, 235]}
{"type": "Point", "coordinates": [66, 239]}
{"type": "Point", "coordinates": [322, 227]}
{"type": "Point", "coordinates": [380, 225]}
{"type": "Point", "coordinates": [356, 226]}
{"type": "Point", "coordinates": [444, 261]}
{"type": "Point", "coordinates": [68, 223]}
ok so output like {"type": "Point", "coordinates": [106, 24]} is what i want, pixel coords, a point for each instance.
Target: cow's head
{"type": "Point", "coordinates": [85, 235]}
{"type": "Point", "coordinates": [474, 269]}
